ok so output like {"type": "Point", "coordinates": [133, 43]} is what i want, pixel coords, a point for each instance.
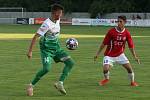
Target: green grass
{"type": "Point", "coordinates": [16, 70]}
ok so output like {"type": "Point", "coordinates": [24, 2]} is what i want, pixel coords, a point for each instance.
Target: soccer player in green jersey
{"type": "Point", "coordinates": [50, 49]}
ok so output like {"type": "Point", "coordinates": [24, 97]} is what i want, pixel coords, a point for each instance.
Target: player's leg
{"type": "Point", "coordinates": [106, 69]}
{"type": "Point", "coordinates": [67, 68]}
{"type": "Point", "coordinates": [67, 60]}
{"type": "Point", "coordinates": [129, 69]}
{"type": "Point", "coordinates": [107, 63]}
{"type": "Point", "coordinates": [46, 67]}
{"type": "Point", "coordinates": [123, 60]}
{"type": "Point", "coordinates": [46, 60]}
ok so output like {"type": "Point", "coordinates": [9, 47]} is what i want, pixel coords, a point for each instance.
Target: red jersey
{"type": "Point", "coordinates": [116, 41]}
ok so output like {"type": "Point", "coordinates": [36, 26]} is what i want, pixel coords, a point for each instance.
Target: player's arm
{"type": "Point", "coordinates": [134, 55]}
{"type": "Point", "coordinates": [131, 47]}
{"type": "Point", "coordinates": [29, 54]}
{"type": "Point", "coordinates": [41, 31]}
{"type": "Point", "coordinates": [104, 44]}
{"type": "Point", "coordinates": [101, 47]}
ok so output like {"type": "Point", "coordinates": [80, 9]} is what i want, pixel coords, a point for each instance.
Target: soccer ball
{"type": "Point", "coordinates": [71, 43]}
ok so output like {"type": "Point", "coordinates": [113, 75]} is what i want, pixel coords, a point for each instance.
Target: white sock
{"type": "Point", "coordinates": [61, 82]}
{"type": "Point", "coordinates": [31, 84]}
{"type": "Point", "coordinates": [131, 76]}
{"type": "Point", "coordinates": [106, 75]}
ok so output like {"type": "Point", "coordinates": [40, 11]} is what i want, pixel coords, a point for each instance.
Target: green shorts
{"type": "Point", "coordinates": [57, 55]}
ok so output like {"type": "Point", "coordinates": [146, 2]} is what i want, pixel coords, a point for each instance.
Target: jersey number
{"type": "Point", "coordinates": [118, 41]}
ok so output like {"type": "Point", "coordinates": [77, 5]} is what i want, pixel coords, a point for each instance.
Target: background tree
{"type": "Point", "coordinates": [94, 7]}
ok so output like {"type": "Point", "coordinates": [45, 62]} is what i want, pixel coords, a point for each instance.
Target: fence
{"type": "Point", "coordinates": [11, 18]}
{"type": "Point", "coordinates": [110, 22]}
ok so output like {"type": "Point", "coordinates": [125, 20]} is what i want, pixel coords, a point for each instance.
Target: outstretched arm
{"type": "Point", "coordinates": [104, 44]}
{"type": "Point", "coordinates": [101, 47]}
{"type": "Point", "coordinates": [134, 55]}
{"type": "Point", "coordinates": [131, 47]}
{"type": "Point", "coordinates": [29, 54]}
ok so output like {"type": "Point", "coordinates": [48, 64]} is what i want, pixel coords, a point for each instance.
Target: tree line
{"type": "Point", "coordinates": [92, 6]}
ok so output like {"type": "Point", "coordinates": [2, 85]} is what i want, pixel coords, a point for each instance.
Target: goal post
{"type": "Point", "coordinates": [21, 10]}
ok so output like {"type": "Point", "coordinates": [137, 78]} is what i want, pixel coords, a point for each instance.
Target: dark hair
{"type": "Point", "coordinates": [56, 7]}
{"type": "Point", "coordinates": [122, 17]}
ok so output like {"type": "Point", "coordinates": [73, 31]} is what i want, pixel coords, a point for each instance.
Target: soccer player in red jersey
{"type": "Point", "coordinates": [114, 42]}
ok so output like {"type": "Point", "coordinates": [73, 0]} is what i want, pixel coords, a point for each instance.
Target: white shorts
{"type": "Point", "coordinates": [121, 59]}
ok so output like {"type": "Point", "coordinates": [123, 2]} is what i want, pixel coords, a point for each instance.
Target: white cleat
{"type": "Point", "coordinates": [30, 90]}
{"type": "Point", "coordinates": [59, 86]}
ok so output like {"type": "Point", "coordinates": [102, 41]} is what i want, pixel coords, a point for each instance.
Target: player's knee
{"type": "Point", "coordinates": [130, 71]}
{"type": "Point", "coordinates": [106, 67]}
{"type": "Point", "coordinates": [105, 71]}
{"type": "Point", "coordinates": [69, 62]}
{"type": "Point", "coordinates": [46, 69]}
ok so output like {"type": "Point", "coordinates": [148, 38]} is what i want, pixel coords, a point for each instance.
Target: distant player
{"type": "Point", "coordinates": [114, 42]}
{"type": "Point", "coordinates": [50, 49]}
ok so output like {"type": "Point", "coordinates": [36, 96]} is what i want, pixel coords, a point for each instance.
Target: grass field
{"type": "Point", "coordinates": [16, 70]}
